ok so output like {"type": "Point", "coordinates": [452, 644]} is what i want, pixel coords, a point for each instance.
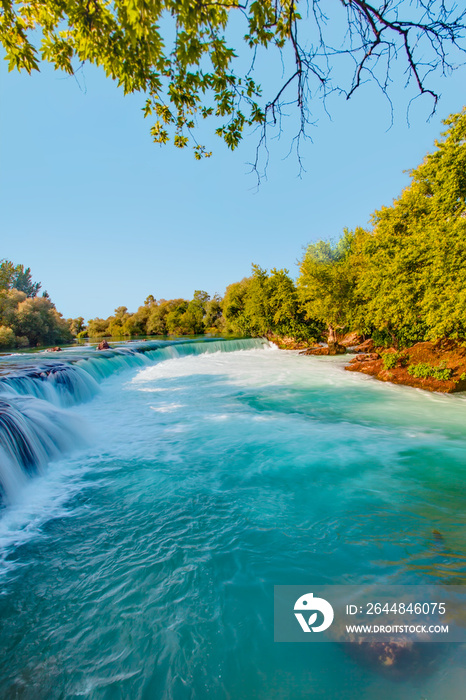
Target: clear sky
{"type": "Point", "coordinates": [104, 217]}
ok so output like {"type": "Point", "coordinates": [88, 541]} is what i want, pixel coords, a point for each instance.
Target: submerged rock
{"type": "Point", "coordinates": [397, 659]}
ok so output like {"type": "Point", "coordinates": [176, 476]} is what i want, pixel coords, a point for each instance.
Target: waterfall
{"type": "Point", "coordinates": [36, 392]}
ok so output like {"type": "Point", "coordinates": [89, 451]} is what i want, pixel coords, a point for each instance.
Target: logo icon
{"type": "Point", "coordinates": [307, 603]}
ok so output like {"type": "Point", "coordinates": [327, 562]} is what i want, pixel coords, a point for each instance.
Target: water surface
{"type": "Point", "coordinates": [141, 565]}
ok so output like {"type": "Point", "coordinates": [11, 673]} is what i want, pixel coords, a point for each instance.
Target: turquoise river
{"type": "Point", "coordinates": [153, 495]}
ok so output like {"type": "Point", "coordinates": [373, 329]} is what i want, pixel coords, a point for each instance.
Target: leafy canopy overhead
{"type": "Point", "coordinates": [178, 53]}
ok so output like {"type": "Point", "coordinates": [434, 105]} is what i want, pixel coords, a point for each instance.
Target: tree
{"type": "Point", "coordinates": [327, 284]}
{"type": "Point", "coordinates": [157, 320]}
{"type": "Point", "coordinates": [404, 281]}
{"type": "Point", "coordinates": [178, 54]}
{"type": "Point", "coordinates": [76, 325]}
{"type": "Point", "coordinates": [414, 277]}
{"type": "Point", "coordinates": [234, 307]}
{"type": "Point", "coordinates": [16, 277]}
{"type": "Point", "coordinates": [213, 319]}
{"type": "Point", "coordinates": [38, 320]}
{"type": "Point", "coordinates": [266, 304]}
{"type": "Point", "coordinates": [98, 328]}
{"type": "Point", "coordinates": [175, 319]}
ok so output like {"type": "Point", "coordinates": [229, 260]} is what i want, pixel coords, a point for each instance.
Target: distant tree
{"type": "Point", "coordinates": [16, 277]}
{"type": "Point", "coordinates": [213, 320]}
{"type": "Point", "coordinates": [175, 321]}
{"type": "Point", "coordinates": [157, 320]}
{"type": "Point", "coordinates": [76, 325]}
{"type": "Point", "coordinates": [23, 282]}
{"type": "Point", "coordinates": [193, 318]}
{"type": "Point", "coordinates": [98, 328]}
{"type": "Point", "coordinates": [38, 320]}
{"type": "Point", "coordinates": [9, 302]}
{"type": "Point", "coordinates": [7, 337]}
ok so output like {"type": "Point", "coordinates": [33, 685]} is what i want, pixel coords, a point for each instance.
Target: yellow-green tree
{"type": "Point", "coordinates": [414, 277]}
{"type": "Point", "coordinates": [327, 284]}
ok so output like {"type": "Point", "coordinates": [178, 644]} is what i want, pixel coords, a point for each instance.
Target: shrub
{"type": "Point", "coordinates": [390, 359]}
{"type": "Point", "coordinates": [424, 371]}
{"type": "Point", "coordinates": [7, 337]}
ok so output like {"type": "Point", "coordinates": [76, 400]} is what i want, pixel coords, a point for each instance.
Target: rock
{"type": "Point", "coordinates": [444, 354]}
{"type": "Point", "coordinates": [318, 350]}
{"type": "Point", "coordinates": [336, 349]}
{"type": "Point", "coordinates": [103, 345]}
{"type": "Point", "coordinates": [287, 342]}
{"type": "Point", "coordinates": [366, 346]}
{"type": "Point", "coordinates": [366, 357]}
{"type": "Point", "coordinates": [57, 349]}
{"type": "Point", "coordinates": [396, 659]}
{"type": "Point", "coordinates": [351, 339]}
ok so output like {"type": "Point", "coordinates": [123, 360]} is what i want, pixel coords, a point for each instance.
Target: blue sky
{"type": "Point", "coordinates": [104, 217]}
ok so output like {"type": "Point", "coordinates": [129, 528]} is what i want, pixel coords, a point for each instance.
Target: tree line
{"type": "Point", "coordinates": [27, 319]}
{"type": "Point", "coordinates": [401, 281]}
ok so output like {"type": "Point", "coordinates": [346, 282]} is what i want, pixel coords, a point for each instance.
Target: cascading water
{"type": "Point", "coordinates": [33, 432]}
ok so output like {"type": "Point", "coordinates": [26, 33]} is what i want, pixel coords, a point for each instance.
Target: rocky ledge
{"type": "Point", "coordinates": [439, 366]}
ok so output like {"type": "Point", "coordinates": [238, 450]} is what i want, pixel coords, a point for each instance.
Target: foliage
{"type": "Point", "coordinates": [38, 320]}
{"type": "Point", "coordinates": [25, 318]}
{"type": "Point", "coordinates": [267, 304]}
{"type": "Point", "coordinates": [414, 274]}
{"type": "Point", "coordinates": [16, 277]}
{"type": "Point", "coordinates": [7, 337]}
{"type": "Point", "coordinates": [424, 371]}
{"type": "Point", "coordinates": [390, 359]}
{"type": "Point", "coordinates": [178, 56]}
{"type": "Point", "coordinates": [404, 281]}
{"type": "Point", "coordinates": [76, 326]}
{"type": "Point", "coordinates": [327, 282]}
{"type": "Point", "coordinates": [173, 317]}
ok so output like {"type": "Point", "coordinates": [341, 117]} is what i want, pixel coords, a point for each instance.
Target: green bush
{"type": "Point", "coordinates": [7, 337]}
{"type": "Point", "coordinates": [390, 359]}
{"type": "Point", "coordinates": [424, 371]}
{"type": "Point", "coordinates": [404, 337]}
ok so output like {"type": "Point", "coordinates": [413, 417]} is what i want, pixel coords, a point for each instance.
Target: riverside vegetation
{"type": "Point", "coordinates": [401, 282]}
